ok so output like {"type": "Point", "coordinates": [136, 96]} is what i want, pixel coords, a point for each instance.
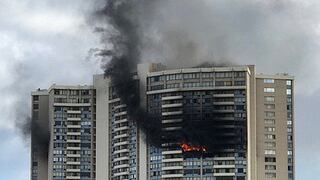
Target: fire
{"type": "Point", "coordinates": [188, 148]}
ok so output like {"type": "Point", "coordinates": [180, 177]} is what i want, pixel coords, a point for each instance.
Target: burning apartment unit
{"type": "Point", "coordinates": [212, 123]}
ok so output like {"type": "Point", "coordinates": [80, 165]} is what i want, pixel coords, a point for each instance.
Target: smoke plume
{"type": "Point", "coordinates": [186, 33]}
{"type": "Point", "coordinates": [123, 59]}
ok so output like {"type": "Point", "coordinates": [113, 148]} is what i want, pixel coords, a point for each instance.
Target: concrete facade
{"type": "Point", "coordinates": [40, 119]}
{"type": "Point", "coordinates": [275, 126]}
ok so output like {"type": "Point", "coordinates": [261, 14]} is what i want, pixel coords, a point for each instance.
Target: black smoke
{"type": "Point", "coordinates": [123, 59]}
{"type": "Point", "coordinates": [186, 33]}
{"type": "Point", "coordinates": [39, 134]}
{"type": "Point", "coordinates": [125, 42]}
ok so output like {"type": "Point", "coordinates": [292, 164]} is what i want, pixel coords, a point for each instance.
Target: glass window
{"type": "Point", "coordinates": [271, 175]}
{"type": "Point", "coordinates": [36, 98]}
{"type": "Point", "coordinates": [239, 74]}
{"type": "Point", "coordinates": [270, 114]}
{"type": "Point", "coordinates": [270, 136]}
{"type": "Point", "coordinates": [268, 81]}
{"type": "Point", "coordinates": [270, 129]}
{"type": "Point", "coordinates": [269, 152]}
{"type": "Point", "coordinates": [269, 121]}
{"type": "Point", "coordinates": [269, 99]}
{"type": "Point", "coordinates": [269, 90]}
{"type": "Point", "coordinates": [289, 92]}
{"type": "Point", "coordinates": [223, 74]}
{"type": "Point", "coordinates": [270, 159]}
{"type": "Point", "coordinates": [270, 167]}
{"type": "Point", "coordinates": [269, 106]}
{"type": "Point", "coordinates": [289, 82]}
{"type": "Point", "coordinates": [270, 144]}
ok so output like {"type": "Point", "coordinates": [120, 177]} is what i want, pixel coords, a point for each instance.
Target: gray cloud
{"type": "Point", "coordinates": [42, 42]}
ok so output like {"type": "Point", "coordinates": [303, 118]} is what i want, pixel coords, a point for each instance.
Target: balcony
{"type": "Point", "coordinates": [121, 174]}
{"type": "Point", "coordinates": [74, 126]}
{"type": "Point", "coordinates": [167, 121]}
{"type": "Point", "coordinates": [171, 98]}
{"type": "Point", "coordinates": [121, 143]}
{"type": "Point", "coordinates": [171, 113]}
{"type": "Point", "coordinates": [120, 113]}
{"type": "Point", "coordinates": [72, 177]}
{"type": "Point", "coordinates": [73, 112]}
{"type": "Point", "coordinates": [72, 104]}
{"type": "Point", "coordinates": [121, 159]}
{"type": "Point", "coordinates": [120, 121]}
{"type": "Point", "coordinates": [73, 119]}
{"type": "Point", "coordinates": [73, 141]}
{"type": "Point", "coordinates": [121, 136]}
{"type": "Point", "coordinates": [121, 151]}
{"type": "Point", "coordinates": [121, 166]}
{"type": "Point", "coordinates": [74, 133]}
{"type": "Point", "coordinates": [169, 176]}
{"type": "Point", "coordinates": [171, 105]}
{"type": "Point", "coordinates": [172, 152]}
{"type": "Point", "coordinates": [73, 148]}
{"type": "Point", "coordinates": [173, 160]}
{"type": "Point", "coordinates": [121, 128]}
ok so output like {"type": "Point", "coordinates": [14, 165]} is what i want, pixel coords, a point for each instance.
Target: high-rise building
{"type": "Point", "coordinates": [275, 126]}
{"type": "Point", "coordinates": [67, 112]}
{"type": "Point", "coordinates": [39, 135]}
{"type": "Point", "coordinates": [217, 123]}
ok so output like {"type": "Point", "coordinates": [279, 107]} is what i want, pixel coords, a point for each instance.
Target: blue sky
{"type": "Point", "coordinates": [47, 41]}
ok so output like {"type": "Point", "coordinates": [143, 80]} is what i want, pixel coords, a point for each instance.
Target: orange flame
{"type": "Point", "coordinates": [187, 148]}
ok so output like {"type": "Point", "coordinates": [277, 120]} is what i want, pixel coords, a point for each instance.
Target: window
{"type": "Point", "coordinates": [270, 129]}
{"type": "Point", "coordinates": [269, 90]}
{"type": "Point", "coordinates": [191, 76]}
{"type": "Point", "coordinates": [270, 159]}
{"type": "Point", "coordinates": [270, 144]}
{"type": "Point", "coordinates": [269, 152]}
{"type": "Point", "coordinates": [223, 74]}
{"type": "Point", "coordinates": [207, 84]}
{"type": "Point", "coordinates": [270, 114]}
{"type": "Point", "coordinates": [269, 106]}
{"type": "Point", "coordinates": [239, 83]}
{"type": "Point", "coordinates": [270, 136]}
{"type": "Point", "coordinates": [36, 98]}
{"type": "Point", "coordinates": [56, 92]}
{"type": "Point", "coordinates": [289, 92]}
{"type": "Point", "coordinates": [35, 106]}
{"type": "Point", "coordinates": [269, 99]}
{"type": "Point", "coordinates": [223, 83]}
{"type": "Point", "coordinates": [268, 81]}
{"type": "Point", "coordinates": [207, 75]}
{"type": "Point", "coordinates": [271, 175]}
{"type": "Point", "coordinates": [270, 167]}
{"type": "Point", "coordinates": [240, 74]}
{"type": "Point", "coordinates": [269, 121]}
{"type": "Point", "coordinates": [289, 82]}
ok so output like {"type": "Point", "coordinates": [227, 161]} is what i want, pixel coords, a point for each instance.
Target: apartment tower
{"type": "Point", "coordinates": [217, 123]}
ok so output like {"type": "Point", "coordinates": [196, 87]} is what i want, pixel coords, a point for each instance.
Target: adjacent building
{"type": "Point", "coordinates": [217, 123]}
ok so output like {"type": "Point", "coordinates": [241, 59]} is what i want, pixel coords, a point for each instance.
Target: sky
{"type": "Point", "coordinates": [48, 41]}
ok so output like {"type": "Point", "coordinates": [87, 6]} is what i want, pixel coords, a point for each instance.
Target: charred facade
{"type": "Point", "coordinates": [203, 115]}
